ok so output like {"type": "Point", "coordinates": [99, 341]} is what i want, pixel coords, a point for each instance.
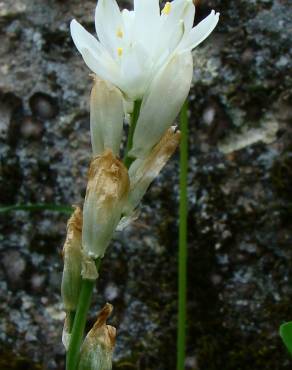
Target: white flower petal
{"type": "Point", "coordinates": [200, 32]}
{"type": "Point", "coordinates": [104, 67]}
{"type": "Point", "coordinates": [94, 54]}
{"type": "Point", "coordinates": [108, 22]}
{"type": "Point", "coordinates": [150, 6]}
{"type": "Point", "coordinates": [147, 11]}
{"type": "Point", "coordinates": [176, 12]}
{"type": "Point", "coordinates": [82, 38]}
{"type": "Point", "coordinates": [173, 25]}
{"type": "Point", "coordinates": [147, 18]}
{"type": "Point", "coordinates": [128, 19]}
{"type": "Point", "coordinates": [162, 103]}
{"type": "Point", "coordinates": [135, 71]}
{"type": "Point", "coordinates": [162, 58]}
{"type": "Point", "coordinates": [189, 15]}
{"type": "Point", "coordinates": [106, 117]}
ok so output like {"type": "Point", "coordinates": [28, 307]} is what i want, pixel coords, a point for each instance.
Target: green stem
{"type": "Point", "coordinates": [182, 253]}
{"type": "Point", "coordinates": [71, 317]}
{"type": "Point", "coordinates": [134, 118]}
{"type": "Point", "coordinates": [80, 322]}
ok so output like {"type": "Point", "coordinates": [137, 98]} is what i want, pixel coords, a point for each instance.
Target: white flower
{"type": "Point", "coordinates": [134, 45]}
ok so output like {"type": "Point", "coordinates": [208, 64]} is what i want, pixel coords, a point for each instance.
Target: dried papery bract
{"type": "Point", "coordinates": [106, 194]}
{"type": "Point", "coordinates": [89, 269]}
{"type": "Point", "coordinates": [98, 346]}
{"type": "Point", "coordinates": [71, 279]}
{"type": "Point", "coordinates": [106, 117]}
{"type": "Point", "coordinates": [66, 335]}
{"type": "Point", "coordinates": [143, 171]}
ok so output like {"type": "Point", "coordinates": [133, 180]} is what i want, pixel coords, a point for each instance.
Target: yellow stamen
{"type": "Point", "coordinates": [119, 33]}
{"type": "Point", "coordinates": [167, 8]}
{"type": "Point", "coordinates": [120, 52]}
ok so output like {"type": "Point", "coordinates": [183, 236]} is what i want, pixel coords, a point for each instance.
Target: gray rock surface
{"type": "Point", "coordinates": [240, 177]}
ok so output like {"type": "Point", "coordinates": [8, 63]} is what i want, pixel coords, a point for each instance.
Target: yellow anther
{"type": "Point", "coordinates": [119, 33]}
{"type": "Point", "coordinates": [120, 52]}
{"type": "Point", "coordinates": [167, 8]}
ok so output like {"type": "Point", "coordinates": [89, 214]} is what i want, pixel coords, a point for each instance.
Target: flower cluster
{"type": "Point", "coordinates": [134, 45]}
{"type": "Point", "coordinates": [143, 68]}
{"type": "Point", "coordinates": [146, 54]}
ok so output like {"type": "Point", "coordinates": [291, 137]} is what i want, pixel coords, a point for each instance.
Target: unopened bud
{"type": "Point", "coordinates": [97, 349]}
{"type": "Point", "coordinates": [106, 117]}
{"type": "Point", "coordinates": [106, 195]}
{"type": "Point", "coordinates": [143, 171]}
{"type": "Point", "coordinates": [162, 102]}
{"type": "Point", "coordinates": [71, 279]}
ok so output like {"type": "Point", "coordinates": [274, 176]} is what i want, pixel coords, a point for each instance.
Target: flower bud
{"type": "Point", "coordinates": [162, 103]}
{"type": "Point", "coordinates": [97, 349]}
{"type": "Point", "coordinates": [106, 117]}
{"type": "Point", "coordinates": [106, 194]}
{"type": "Point", "coordinates": [71, 279]}
{"type": "Point", "coordinates": [143, 171]}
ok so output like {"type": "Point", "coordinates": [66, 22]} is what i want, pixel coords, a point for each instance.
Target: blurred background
{"type": "Point", "coordinates": [240, 177]}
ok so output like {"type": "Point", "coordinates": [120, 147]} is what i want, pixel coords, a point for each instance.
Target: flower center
{"type": "Point", "coordinates": [167, 8]}
{"type": "Point", "coordinates": [120, 51]}
{"type": "Point", "coordinates": [119, 33]}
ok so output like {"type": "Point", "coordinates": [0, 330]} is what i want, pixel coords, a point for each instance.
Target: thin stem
{"type": "Point", "coordinates": [71, 316]}
{"type": "Point", "coordinates": [80, 322]}
{"type": "Point", "coordinates": [182, 252]}
{"type": "Point", "coordinates": [134, 118]}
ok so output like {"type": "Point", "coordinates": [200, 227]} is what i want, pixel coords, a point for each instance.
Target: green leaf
{"type": "Point", "coordinates": [37, 207]}
{"type": "Point", "coordinates": [286, 335]}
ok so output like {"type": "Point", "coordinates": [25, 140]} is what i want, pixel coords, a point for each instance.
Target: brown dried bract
{"type": "Point", "coordinates": [103, 315]}
{"type": "Point", "coordinates": [75, 221]}
{"type": "Point", "coordinates": [107, 178]}
{"type": "Point", "coordinates": [166, 146]}
{"type": "Point", "coordinates": [158, 157]}
{"type": "Point", "coordinates": [74, 229]}
{"type": "Point", "coordinates": [104, 334]}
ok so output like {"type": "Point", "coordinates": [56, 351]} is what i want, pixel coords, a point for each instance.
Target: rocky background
{"type": "Point", "coordinates": [240, 255]}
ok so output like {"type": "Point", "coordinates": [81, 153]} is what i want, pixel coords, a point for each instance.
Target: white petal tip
{"type": "Point", "coordinates": [75, 29]}
{"type": "Point", "coordinates": [215, 14]}
{"type": "Point", "coordinates": [73, 24]}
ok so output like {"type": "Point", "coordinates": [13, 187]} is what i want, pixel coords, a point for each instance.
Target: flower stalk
{"type": "Point", "coordinates": [133, 122]}
{"type": "Point", "coordinates": [77, 321]}
{"type": "Point", "coordinates": [182, 251]}
{"type": "Point", "coordinates": [77, 333]}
